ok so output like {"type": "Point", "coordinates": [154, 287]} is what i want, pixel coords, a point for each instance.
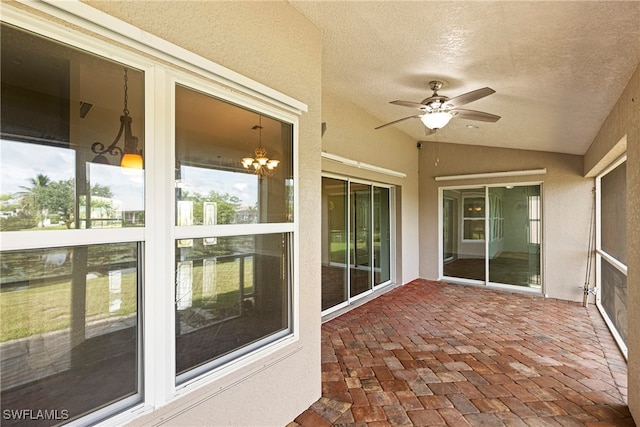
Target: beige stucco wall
{"type": "Point", "coordinates": [350, 133]}
{"type": "Point", "coordinates": [566, 199]}
{"type": "Point", "coordinates": [623, 124]}
{"type": "Point", "coordinates": [273, 44]}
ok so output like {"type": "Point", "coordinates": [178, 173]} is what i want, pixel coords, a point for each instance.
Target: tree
{"type": "Point", "coordinates": [101, 191]}
{"type": "Point", "coordinates": [227, 206]}
{"type": "Point", "coordinates": [58, 198]}
{"type": "Point", "coordinates": [47, 198]}
{"type": "Point", "coordinates": [31, 198]}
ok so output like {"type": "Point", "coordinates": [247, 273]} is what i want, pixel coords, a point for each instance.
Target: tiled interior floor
{"type": "Point", "coordinates": [430, 353]}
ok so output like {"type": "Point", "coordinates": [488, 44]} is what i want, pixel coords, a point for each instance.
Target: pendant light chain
{"type": "Point", "coordinates": [126, 92]}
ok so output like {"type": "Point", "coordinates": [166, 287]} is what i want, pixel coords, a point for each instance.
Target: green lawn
{"type": "Point", "coordinates": [47, 307]}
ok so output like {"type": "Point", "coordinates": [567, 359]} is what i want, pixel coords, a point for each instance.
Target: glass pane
{"type": "Point", "coordinates": [381, 235]}
{"type": "Point", "coordinates": [334, 242]}
{"type": "Point", "coordinates": [514, 249]}
{"type": "Point", "coordinates": [360, 238]}
{"type": "Point", "coordinates": [613, 210]}
{"type": "Point", "coordinates": [474, 207]}
{"type": "Point", "coordinates": [69, 331]}
{"type": "Point", "coordinates": [463, 233]}
{"type": "Point", "coordinates": [61, 109]}
{"type": "Point", "coordinates": [473, 212]}
{"type": "Point", "coordinates": [614, 297]}
{"type": "Point", "coordinates": [230, 292]}
{"type": "Point", "coordinates": [212, 185]}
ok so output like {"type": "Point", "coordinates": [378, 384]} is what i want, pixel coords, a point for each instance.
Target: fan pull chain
{"type": "Point", "coordinates": [437, 149]}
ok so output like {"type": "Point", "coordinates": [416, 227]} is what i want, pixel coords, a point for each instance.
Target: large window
{"type": "Point", "coordinates": [232, 292]}
{"type": "Point", "coordinates": [70, 335]}
{"type": "Point", "coordinates": [141, 247]}
{"type": "Point", "coordinates": [611, 190]}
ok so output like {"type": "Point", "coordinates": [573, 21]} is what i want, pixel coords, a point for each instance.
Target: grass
{"type": "Point", "coordinates": [47, 307]}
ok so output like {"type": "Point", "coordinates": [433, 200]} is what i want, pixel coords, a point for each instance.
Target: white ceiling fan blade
{"type": "Point", "coordinates": [468, 97]}
{"type": "Point", "coordinates": [475, 115]}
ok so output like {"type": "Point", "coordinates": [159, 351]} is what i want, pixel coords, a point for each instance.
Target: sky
{"type": "Point", "coordinates": [242, 185]}
{"type": "Point", "coordinates": [19, 162]}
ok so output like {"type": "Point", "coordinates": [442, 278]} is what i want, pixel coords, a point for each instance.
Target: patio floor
{"type": "Point", "coordinates": [430, 353]}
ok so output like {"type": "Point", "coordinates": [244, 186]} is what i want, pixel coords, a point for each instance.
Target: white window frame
{"type": "Point", "coordinates": [159, 234]}
{"type": "Point", "coordinates": [175, 78]}
{"type": "Point", "coordinates": [466, 218]}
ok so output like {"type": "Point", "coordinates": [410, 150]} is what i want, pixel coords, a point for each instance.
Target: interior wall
{"type": "Point", "coordinates": [566, 199]}
{"type": "Point", "coordinates": [350, 133]}
{"type": "Point", "coordinates": [621, 131]}
{"type": "Point", "coordinates": [273, 44]}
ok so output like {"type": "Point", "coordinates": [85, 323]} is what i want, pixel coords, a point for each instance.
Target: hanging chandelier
{"type": "Point", "coordinates": [130, 156]}
{"type": "Point", "coordinates": [261, 164]}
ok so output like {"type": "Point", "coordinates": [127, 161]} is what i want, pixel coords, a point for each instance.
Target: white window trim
{"type": "Point", "coordinates": [159, 234]}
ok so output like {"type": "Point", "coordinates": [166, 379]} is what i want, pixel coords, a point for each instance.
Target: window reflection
{"type": "Point", "coordinates": [36, 198]}
{"type": "Point", "coordinates": [211, 196]}
{"type": "Point", "coordinates": [69, 328]}
{"type": "Point", "coordinates": [48, 198]}
{"type": "Point", "coordinates": [213, 185]}
{"type": "Point", "coordinates": [57, 103]}
{"type": "Point", "coordinates": [230, 293]}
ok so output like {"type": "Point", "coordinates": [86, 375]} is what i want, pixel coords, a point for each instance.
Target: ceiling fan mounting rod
{"type": "Point", "coordinates": [435, 85]}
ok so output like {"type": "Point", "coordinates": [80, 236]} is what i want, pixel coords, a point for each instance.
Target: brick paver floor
{"type": "Point", "coordinates": [430, 353]}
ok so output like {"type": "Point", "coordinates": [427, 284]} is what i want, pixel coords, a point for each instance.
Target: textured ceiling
{"type": "Point", "coordinates": [558, 67]}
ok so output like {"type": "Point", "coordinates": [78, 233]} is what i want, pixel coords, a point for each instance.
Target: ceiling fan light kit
{"type": "Point", "coordinates": [436, 120]}
{"type": "Point", "coordinates": [437, 110]}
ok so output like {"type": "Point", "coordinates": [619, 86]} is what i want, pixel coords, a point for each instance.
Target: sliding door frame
{"type": "Point", "coordinates": [486, 282]}
{"type": "Point", "coordinates": [392, 241]}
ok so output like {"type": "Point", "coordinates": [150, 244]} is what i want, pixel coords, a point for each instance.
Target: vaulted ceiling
{"type": "Point", "coordinates": [558, 67]}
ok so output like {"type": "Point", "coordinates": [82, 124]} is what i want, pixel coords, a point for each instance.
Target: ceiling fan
{"type": "Point", "coordinates": [437, 110]}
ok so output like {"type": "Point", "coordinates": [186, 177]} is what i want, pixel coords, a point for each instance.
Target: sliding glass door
{"type": "Point", "coordinates": [360, 238]}
{"type": "Point", "coordinates": [514, 235]}
{"type": "Point", "coordinates": [356, 240]}
{"type": "Point", "coordinates": [463, 233]}
{"type": "Point", "coordinates": [381, 235]}
{"type": "Point", "coordinates": [492, 234]}
{"type": "Point", "coordinates": [334, 242]}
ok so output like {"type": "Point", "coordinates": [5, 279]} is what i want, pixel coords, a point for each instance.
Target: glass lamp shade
{"type": "Point", "coordinates": [436, 120]}
{"type": "Point", "coordinates": [272, 164]}
{"type": "Point", "coordinates": [131, 160]}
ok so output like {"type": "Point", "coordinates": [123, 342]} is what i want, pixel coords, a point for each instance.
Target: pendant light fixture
{"type": "Point", "coordinates": [130, 156]}
{"type": "Point", "coordinates": [261, 164]}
